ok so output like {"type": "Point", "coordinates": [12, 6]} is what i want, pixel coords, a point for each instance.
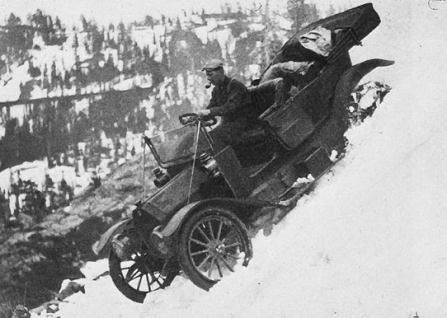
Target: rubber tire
{"type": "Point", "coordinates": [185, 261]}
{"type": "Point", "coordinates": [126, 289]}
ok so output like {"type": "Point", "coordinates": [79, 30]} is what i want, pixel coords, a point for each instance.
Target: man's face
{"type": "Point", "coordinates": [214, 76]}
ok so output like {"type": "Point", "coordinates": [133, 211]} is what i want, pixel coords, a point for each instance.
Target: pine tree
{"type": "Point", "coordinates": [97, 39]}
{"type": "Point", "coordinates": [301, 13]}
{"type": "Point", "coordinates": [58, 24]}
{"type": "Point", "coordinates": [84, 24]}
{"type": "Point", "coordinates": [13, 20]}
{"type": "Point", "coordinates": [16, 39]}
{"type": "Point", "coordinates": [331, 11]}
{"type": "Point", "coordinates": [149, 21]}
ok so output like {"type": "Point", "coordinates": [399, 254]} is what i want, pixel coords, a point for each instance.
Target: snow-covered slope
{"type": "Point", "coordinates": [370, 240]}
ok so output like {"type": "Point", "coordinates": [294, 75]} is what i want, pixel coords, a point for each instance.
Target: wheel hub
{"type": "Point", "coordinates": [216, 248]}
{"type": "Point", "coordinates": [123, 247]}
{"type": "Point", "coordinates": [141, 265]}
{"type": "Point", "coordinates": [220, 248]}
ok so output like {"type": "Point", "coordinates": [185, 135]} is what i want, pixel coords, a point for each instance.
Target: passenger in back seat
{"type": "Point", "coordinates": [301, 59]}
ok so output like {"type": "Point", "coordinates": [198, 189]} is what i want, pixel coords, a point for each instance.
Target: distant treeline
{"type": "Point", "coordinates": [50, 126]}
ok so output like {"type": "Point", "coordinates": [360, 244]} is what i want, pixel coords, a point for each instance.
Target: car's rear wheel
{"type": "Point", "coordinates": [211, 243]}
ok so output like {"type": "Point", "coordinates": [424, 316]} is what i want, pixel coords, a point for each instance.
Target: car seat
{"type": "Point", "coordinates": [257, 145]}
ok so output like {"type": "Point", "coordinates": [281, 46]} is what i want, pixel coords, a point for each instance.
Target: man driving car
{"type": "Point", "coordinates": [231, 100]}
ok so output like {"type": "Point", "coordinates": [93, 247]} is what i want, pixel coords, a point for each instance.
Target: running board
{"type": "Point", "coordinates": [318, 164]}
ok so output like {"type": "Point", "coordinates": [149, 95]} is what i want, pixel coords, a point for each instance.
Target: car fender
{"type": "Point", "coordinates": [346, 85]}
{"type": "Point", "coordinates": [105, 239]}
{"type": "Point", "coordinates": [352, 77]}
{"type": "Point", "coordinates": [248, 207]}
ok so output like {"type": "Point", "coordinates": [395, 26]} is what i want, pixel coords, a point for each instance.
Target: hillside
{"type": "Point", "coordinates": [36, 260]}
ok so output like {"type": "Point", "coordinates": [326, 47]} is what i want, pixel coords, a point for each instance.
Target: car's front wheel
{"type": "Point", "coordinates": [211, 243]}
{"type": "Point", "coordinates": [136, 272]}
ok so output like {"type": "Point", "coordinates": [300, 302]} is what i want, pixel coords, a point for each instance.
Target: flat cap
{"type": "Point", "coordinates": [213, 64]}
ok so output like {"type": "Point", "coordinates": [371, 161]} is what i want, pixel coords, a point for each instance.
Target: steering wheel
{"type": "Point", "coordinates": [191, 118]}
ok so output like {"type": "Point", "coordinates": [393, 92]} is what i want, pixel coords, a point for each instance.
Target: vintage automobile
{"type": "Point", "coordinates": [196, 223]}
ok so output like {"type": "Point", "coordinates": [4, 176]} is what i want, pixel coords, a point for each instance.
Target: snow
{"type": "Point", "coordinates": [370, 240]}
{"type": "Point", "coordinates": [11, 91]}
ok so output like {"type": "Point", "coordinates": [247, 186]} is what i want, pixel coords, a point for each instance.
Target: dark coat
{"type": "Point", "coordinates": [231, 100]}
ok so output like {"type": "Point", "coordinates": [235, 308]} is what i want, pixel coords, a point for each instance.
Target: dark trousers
{"type": "Point", "coordinates": [228, 134]}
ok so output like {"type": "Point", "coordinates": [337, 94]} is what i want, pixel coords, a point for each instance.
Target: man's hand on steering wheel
{"type": "Point", "coordinates": [203, 113]}
{"type": "Point", "coordinates": [206, 117]}
{"type": "Point", "coordinates": [191, 118]}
